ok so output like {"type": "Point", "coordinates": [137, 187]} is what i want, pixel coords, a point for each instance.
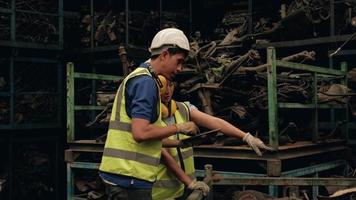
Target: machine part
{"type": "Point", "coordinates": [103, 116]}
{"type": "Point", "coordinates": [349, 193]}
{"type": "Point", "coordinates": [335, 93]}
{"type": "Point", "coordinates": [104, 98]}
{"type": "Point", "coordinates": [94, 195]}
{"type": "Point", "coordinates": [2, 184]}
{"type": "Point", "coordinates": [286, 132]}
{"type": "Point", "coordinates": [123, 59]}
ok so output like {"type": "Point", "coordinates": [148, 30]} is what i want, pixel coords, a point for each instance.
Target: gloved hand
{"type": "Point", "coordinates": [199, 185]}
{"type": "Point", "coordinates": [256, 143]}
{"type": "Point", "coordinates": [187, 128]}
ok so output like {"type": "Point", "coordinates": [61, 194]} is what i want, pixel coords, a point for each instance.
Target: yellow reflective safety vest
{"type": "Point", "coordinates": [122, 154]}
{"type": "Point", "coordinates": [167, 185]}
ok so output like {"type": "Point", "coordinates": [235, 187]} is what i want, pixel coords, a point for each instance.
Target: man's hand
{"type": "Point", "coordinates": [199, 185]}
{"type": "Point", "coordinates": [256, 143]}
{"type": "Point", "coordinates": [187, 128]}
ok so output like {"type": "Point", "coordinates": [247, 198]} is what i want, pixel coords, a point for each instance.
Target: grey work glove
{"type": "Point", "coordinates": [256, 143]}
{"type": "Point", "coordinates": [199, 185]}
{"type": "Point", "coordinates": [187, 128]}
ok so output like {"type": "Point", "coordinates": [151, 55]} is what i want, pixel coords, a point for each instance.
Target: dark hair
{"type": "Point", "coordinates": [173, 51]}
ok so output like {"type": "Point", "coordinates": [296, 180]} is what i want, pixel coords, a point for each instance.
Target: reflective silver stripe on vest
{"type": "Point", "coordinates": [184, 110]}
{"type": "Point", "coordinates": [185, 155]}
{"type": "Point", "coordinates": [170, 183]}
{"type": "Point", "coordinates": [122, 126]}
{"type": "Point", "coordinates": [129, 155]}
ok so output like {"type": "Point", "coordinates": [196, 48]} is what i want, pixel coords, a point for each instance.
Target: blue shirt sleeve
{"type": "Point", "coordinates": [141, 98]}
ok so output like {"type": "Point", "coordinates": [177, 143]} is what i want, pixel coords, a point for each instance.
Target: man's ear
{"type": "Point", "coordinates": [164, 55]}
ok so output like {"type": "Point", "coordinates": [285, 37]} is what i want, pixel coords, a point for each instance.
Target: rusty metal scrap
{"type": "Point", "coordinates": [110, 27]}
{"type": "Point", "coordinates": [335, 93]}
{"type": "Point", "coordinates": [38, 5]}
{"type": "Point", "coordinates": [90, 187]}
{"type": "Point", "coordinates": [315, 10]}
{"type": "Point", "coordinates": [2, 184]}
{"type": "Point", "coordinates": [234, 87]}
{"type": "Point", "coordinates": [217, 72]}
{"type": "Point", "coordinates": [294, 17]}
{"type": "Point", "coordinates": [37, 107]}
{"type": "Point", "coordinates": [33, 173]}
{"type": "Point", "coordinates": [36, 28]}
{"type": "Point", "coordinates": [4, 27]}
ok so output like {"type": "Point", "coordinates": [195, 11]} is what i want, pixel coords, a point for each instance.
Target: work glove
{"type": "Point", "coordinates": [187, 128]}
{"type": "Point", "coordinates": [199, 185]}
{"type": "Point", "coordinates": [256, 143]}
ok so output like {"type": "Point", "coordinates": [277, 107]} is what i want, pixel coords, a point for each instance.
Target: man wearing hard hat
{"type": "Point", "coordinates": [133, 146]}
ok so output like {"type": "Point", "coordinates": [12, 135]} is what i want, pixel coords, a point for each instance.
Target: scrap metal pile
{"type": "Point", "coordinates": [231, 83]}
{"type": "Point", "coordinates": [110, 26]}
{"type": "Point", "coordinates": [36, 100]}
{"type": "Point", "coordinates": [298, 19]}
{"type": "Point", "coordinates": [32, 173]}
{"type": "Point", "coordinates": [36, 21]}
{"type": "Point", "coordinates": [4, 104]}
{"type": "Point", "coordinates": [233, 86]}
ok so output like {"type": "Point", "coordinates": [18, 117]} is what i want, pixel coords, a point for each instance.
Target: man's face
{"type": "Point", "coordinates": [167, 96]}
{"type": "Point", "coordinates": [172, 64]}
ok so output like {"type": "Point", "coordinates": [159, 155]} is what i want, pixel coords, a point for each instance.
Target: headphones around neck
{"type": "Point", "coordinates": [169, 110]}
{"type": "Point", "coordinates": [161, 81]}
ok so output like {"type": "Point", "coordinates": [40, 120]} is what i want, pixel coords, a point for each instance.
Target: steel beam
{"type": "Point", "coordinates": [310, 68]}
{"type": "Point", "coordinates": [283, 181]}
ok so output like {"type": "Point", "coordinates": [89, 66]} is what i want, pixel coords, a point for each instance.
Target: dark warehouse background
{"type": "Point", "coordinates": [61, 62]}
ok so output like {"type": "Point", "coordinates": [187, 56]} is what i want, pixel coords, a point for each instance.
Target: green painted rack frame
{"type": "Point", "coordinates": [11, 94]}
{"type": "Point", "coordinates": [288, 178]}
{"type": "Point", "coordinates": [234, 178]}
{"type": "Point", "coordinates": [12, 42]}
{"type": "Point", "coordinates": [71, 107]}
{"type": "Point", "coordinates": [273, 104]}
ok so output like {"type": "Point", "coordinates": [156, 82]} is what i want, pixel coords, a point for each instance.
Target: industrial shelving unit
{"type": "Point", "coordinates": [79, 148]}
{"type": "Point", "coordinates": [274, 163]}
{"type": "Point", "coordinates": [21, 86]}
{"type": "Point", "coordinates": [31, 89]}
{"type": "Point", "coordinates": [310, 158]}
{"type": "Point", "coordinates": [273, 105]}
{"type": "Point", "coordinates": [20, 33]}
{"type": "Point", "coordinates": [20, 145]}
{"type": "Point", "coordinates": [28, 30]}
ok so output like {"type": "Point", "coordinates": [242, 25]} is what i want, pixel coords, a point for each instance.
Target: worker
{"type": "Point", "coordinates": [133, 146]}
{"type": "Point", "coordinates": [177, 169]}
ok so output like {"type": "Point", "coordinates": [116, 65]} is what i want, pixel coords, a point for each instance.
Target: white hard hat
{"type": "Point", "coordinates": [169, 37]}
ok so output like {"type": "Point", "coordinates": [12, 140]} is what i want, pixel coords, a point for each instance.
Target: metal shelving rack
{"type": "Point", "coordinates": [12, 64]}
{"type": "Point", "coordinates": [273, 105]}
{"type": "Point", "coordinates": [12, 40]}
{"type": "Point", "coordinates": [27, 47]}
{"type": "Point", "coordinates": [24, 38]}
{"type": "Point", "coordinates": [274, 162]}
{"type": "Point", "coordinates": [79, 147]}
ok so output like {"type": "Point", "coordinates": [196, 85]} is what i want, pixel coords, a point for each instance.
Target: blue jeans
{"type": "Point", "coordinates": [115, 192]}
